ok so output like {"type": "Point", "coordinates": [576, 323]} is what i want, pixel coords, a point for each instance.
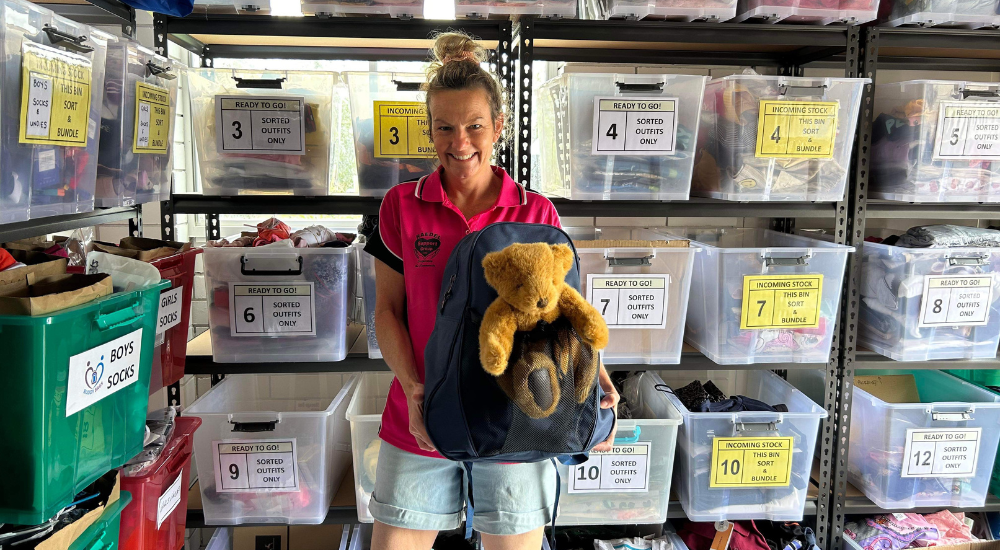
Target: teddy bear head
{"type": "Point", "coordinates": [529, 277]}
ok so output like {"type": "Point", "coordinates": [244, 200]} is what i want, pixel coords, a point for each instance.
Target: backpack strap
{"type": "Point", "coordinates": [469, 508]}
{"type": "Point", "coordinates": [555, 505]}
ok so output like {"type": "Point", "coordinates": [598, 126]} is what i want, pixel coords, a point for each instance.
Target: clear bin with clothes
{"type": "Point", "coordinates": [366, 264]}
{"type": "Point", "coordinates": [365, 415]}
{"type": "Point", "coordinates": [780, 156]}
{"type": "Point", "coordinates": [640, 280]}
{"type": "Point", "coordinates": [759, 296]}
{"type": "Point", "coordinates": [277, 303]}
{"type": "Point", "coordinates": [745, 463]}
{"type": "Point", "coordinates": [927, 442]}
{"type": "Point", "coordinates": [923, 304]}
{"type": "Point", "coordinates": [135, 163]}
{"type": "Point", "coordinates": [932, 142]}
{"type": "Point", "coordinates": [969, 14]}
{"type": "Point", "coordinates": [264, 131]}
{"type": "Point", "coordinates": [49, 156]}
{"type": "Point", "coordinates": [402, 9]}
{"type": "Point", "coordinates": [684, 10]}
{"type": "Point", "coordinates": [272, 448]}
{"type": "Point", "coordinates": [392, 140]}
{"type": "Point", "coordinates": [232, 7]}
{"type": "Point", "coordinates": [645, 127]}
{"type": "Point", "coordinates": [823, 12]}
{"type": "Point", "coordinates": [480, 9]}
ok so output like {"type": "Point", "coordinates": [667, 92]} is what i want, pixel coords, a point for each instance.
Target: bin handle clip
{"type": "Point", "coordinates": [951, 416]}
{"type": "Point", "coordinates": [65, 39]}
{"type": "Point", "coordinates": [634, 438]}
{"type": "Point", "coordinates": [269, 272]}
{"type": "Point", "coordinates": [637, 87]}
{"type": "Point", "coordinates": [630, 262]}
{"type": "Point", "coordinates": [402, 86]}
{"type": "Point", "coordinates": [251, 427]}
{"type": "Point", "coordinates": [757, 426]}
{"type": "Point", "coordinates": [980, 93]}
{"type": "Point", "coordinates": [261, 83]}
{"type": "Point", "coordinates": [967, 260]}
{"type": "Point", "coordinates": [119, 318]}
{"type": "Point", "coordinates": [801, 91]}
{"type": "Point", "coordinates": [801, 260]}
{"type": "Point", "coordinates": [160, 71]}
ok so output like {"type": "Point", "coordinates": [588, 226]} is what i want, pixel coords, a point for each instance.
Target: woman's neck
{"type": "Point", "coordinates": [475, 195]}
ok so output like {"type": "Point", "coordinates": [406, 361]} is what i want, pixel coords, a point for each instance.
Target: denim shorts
{"type": "Point", "coordinates": [428, 494]}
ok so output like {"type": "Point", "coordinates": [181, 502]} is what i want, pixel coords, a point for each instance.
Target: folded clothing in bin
{"type": "Point", "coordinates": [909, 530]}
{"type": "Point", "coordinates": [51, 294]}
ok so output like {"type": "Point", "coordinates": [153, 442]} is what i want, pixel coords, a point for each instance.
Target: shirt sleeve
{"type": "Point", "coordinates": [385, 242]}
{"type": "Point", "coordinates": [552, 215]}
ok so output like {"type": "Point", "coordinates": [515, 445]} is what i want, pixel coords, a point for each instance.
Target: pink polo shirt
{"type": "Point", "coordinates": [418, 227]}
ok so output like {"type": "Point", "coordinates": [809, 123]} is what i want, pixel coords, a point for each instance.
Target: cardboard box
{"type": "Point", "coordinates": [29, 296]}
{"type": "Point", "coordinates": [315, 537]}
{"type": "Point", "coordinates": [63, 538]}
{"type": "Point", "coordinates": [39, 264]}
{"type": "Point", "coordinates": [891, 388]}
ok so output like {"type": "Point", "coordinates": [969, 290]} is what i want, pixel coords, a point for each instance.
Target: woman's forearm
{"type": "Point", "coordinates": [397, 349]}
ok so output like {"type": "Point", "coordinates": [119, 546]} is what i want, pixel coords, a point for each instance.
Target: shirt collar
{"type": "Point", "coordinates": [429, 189]}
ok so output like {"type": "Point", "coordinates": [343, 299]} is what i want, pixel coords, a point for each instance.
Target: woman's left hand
{"type": "Point", "coordinates": [609, 401]}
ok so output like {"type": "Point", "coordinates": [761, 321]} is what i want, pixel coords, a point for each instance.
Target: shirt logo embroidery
{"type": "Point", "coordinates": [426, 246]}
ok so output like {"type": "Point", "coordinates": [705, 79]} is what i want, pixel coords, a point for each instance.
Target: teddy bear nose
{"type": "Point", "coordinates": [543, 302]}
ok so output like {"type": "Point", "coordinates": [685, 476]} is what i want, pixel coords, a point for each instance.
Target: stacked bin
{"type": "Point", "coordinates": [77, 408]}
{"type": "Point", "coordinates": [937, 452]}
{"type": "Point", "coordinates": [782, 157]}
{"type": "Point", "coordinates": [232, 7]}
{"type": "Point", "coordinates": [924, 304]}
{"type": "Point", "coordinates": [641, 259]}
{"type": "Point", "coordinates": [264, 132]}
{"type": "Point", "coordinates": [158, 512]}
{"type": "Point", "coordinates": [289, 425]}
{"type": "Point", "coordinates": [392, 140]}
{"type": "Point", "coordinates": [248, 327]}
{"type": "Point", "coordinates": [478, 9]}
{"type": "Point", "coordinates": [175, 314]}
{"type": "Point", "coordinates": [990, 380]}
{"type": "Point", "coordinates": [706, 492]}
{"type": "Point", "coordinates": [103, 534]}
{"type": "Point", "coordinates": [930, 142]}
{"type": "Point", "coordinates": [403, 9]}
{"type": "Point", "coordinates": [135, 162]}
{"type": "Point", "coordinates": [969, 14]}
{"type": "Point", "coordinates": [365, 415]}
{"type": "Point", "coordinates": [366, 264]}
{"type": "Point", "coordinates": [759, 296]}
{"type": "Point", "coordinates": [646, 128]}
{"type": "Point", "coordinates": [51, 170]}
{"type": "Point", "coordinates": [823, 12]}
{"type": "Point", "coordinates": [686, 10]}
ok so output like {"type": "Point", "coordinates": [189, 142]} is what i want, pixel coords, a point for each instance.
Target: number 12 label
{"type": "Point", "coordinates": [941, 452]}
{"type": "Point", "coordinates": [251, 465]}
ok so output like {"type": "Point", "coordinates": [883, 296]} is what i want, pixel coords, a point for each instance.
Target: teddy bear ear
{"type": "Point", "coordinates": [495, 264]}
{"type": "Point", "coordinates": [563, 256]}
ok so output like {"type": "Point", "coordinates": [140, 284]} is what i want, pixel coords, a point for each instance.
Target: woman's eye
{"type": "Point", "coordinates": [444, 128]}
{"type": "Point", "coordinates": [475, 126]}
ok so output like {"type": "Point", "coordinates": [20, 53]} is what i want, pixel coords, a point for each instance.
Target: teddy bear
{"type": "Point", "coordinates": [532, 294]}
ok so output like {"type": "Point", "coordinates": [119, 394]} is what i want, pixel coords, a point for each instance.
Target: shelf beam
{"type": "Point", "coordinates": [333, 27]}
{"type": "Point", "coordinates": [941, 210]}
{"type": "Point", "coordinates": [56, 224]}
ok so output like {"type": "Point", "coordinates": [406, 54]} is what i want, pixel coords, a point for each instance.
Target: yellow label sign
{"type": "Point", "coordinates": [781, 301]}
{"type": "Point", "coordinates": [55, 96]}
{"type": "Point", "coordinates": [796, 129]}
{"type": "Point", "coordinates": [402, 131]}
{"type": "Point", "coordinates": [152, 119]}
{"type": "Point", "coordinates": [739, 462]}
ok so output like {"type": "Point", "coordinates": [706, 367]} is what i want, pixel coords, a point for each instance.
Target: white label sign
{"type": "Point", "coordinates": [634, 125]}
{"type": "Point", "coordinates": [169, 500]}
{"type": "Point", "coordinates": [941, 452]}
{"type": "Point", "coordinates": [623, 469]}
{"type": "Point", "coordinates": [39, 105]}
{"type": "Point", "coordinates": [102, 371]}
{"type": "Point", "coordinates": [272, 309]}
{"type": "Point", "coordinates": [956, 300]}
{"type": "Point", "coordinates": [170, 309]}
{"type": "Point", "coordinates": [249, 465]}
{"type": "Point", "coordinates": [968, 130]}
{"type": "Point", "coordinates": [142, 139]}
{"type": "Point", "coordinates": [260, 123]}
{"type": "Point", "coordinates": [630, 301]}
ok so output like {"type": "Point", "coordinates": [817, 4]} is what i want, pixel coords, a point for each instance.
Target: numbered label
{"type": "Point", "coordinates": [401, 130]}
{"type": "Point", "coordinates": [634, 125]}
{"type": "Point", "coordinates": [796, 129]}
{"type": "Point", "coordinates": [956, 300]}
{"type": "Point", "coordinates": [260, 123]}
{"type": "Point", "coordinates": [55, 96]}
{"type": "Point", "coordinates": [249, 465]}
{"type": "Point", "coordinates": [941, 452]}
{"type": "Point", "coordinates": [630, 301]}
{"type": "Point", "coordinates": [170, 309]}
{"type": "Point", "coordinates": [152, 119]}
{"type": "Point", "coordinates": [781, 301]}
{"type": "Point", "coordinates": [623, 469]}
{"type": "Point", "coordinates": [968, 130]}
{"type": "Point", "coordinates": [272, 310]}
{"type": "Point", "coordinates": [740, 462]}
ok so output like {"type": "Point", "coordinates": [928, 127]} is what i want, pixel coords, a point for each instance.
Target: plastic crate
{"type": "Point", "coordinates": [103, 533]}
{"type": "Point", "coordinates": [695, 442]}
{"type": "Point", "coordinates": [158, 513]}
{"type": "Point", "coordinates": [64, 429]}
{"type": "Point", "coordinates": [303, 115]}
{"type": "Point", "coordinates": [852, 12]}
{"type": "Point", "coordinates": [365, 416]}
{"type": "Point", "coordinates": [913, 157]}
{"type": "Point", "coordinates": [295, 423]}
{"type": "Point", "coordinates": [954, 324]}
{"type": "Point", "coordinates": [686, 10]}
{"type": "Point", "coordinates": [989, 379]}
{"type": "Point", "coordinates": [766, 266]}
{"type": "Point", "coordinates": [740, 159]}
{"type": "Point", "coordinates": [237, 311]}
{"type": "Point", "coordinates": [665, 271]}
{"type": "Point", "coordinates": [222, 539]}
{"type": "Point", "coordinates": [659, 171]}
{"type": "Point", "coordinates": [366, 263]}
{"type": "Point", "coordinates": [381, 167]}
{"type": "Point", "coordinates": [893, 440]}
{"type": "Point", "coordinates": [168, 362]}
{"type": "Point", "coordinates": [969, 14]}
{"type": "Point", "coordinates": [402, 9]}
{"type": "Point", "coordinates": [232, 7]}
{"type": "Point", "coordinates": [480, 9]}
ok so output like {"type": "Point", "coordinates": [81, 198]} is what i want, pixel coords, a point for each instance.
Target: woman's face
{"type": "Point", "coordinates": [463, 131]}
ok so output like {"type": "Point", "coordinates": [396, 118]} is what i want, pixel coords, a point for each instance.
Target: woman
{"type": "Point", "coordinates": [418, 493]}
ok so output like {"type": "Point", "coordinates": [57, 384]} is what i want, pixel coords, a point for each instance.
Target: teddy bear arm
{"type": "Point", "coordinates": [496, 337]}
{"type": "Point", "coordinates": [584, 317]}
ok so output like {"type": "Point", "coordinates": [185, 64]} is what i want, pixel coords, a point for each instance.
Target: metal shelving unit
{"type": "Point", "coordinates": [55, 224]}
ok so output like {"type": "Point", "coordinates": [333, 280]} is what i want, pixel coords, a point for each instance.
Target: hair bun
{"type": "Point", "coordinates": [455, 46]}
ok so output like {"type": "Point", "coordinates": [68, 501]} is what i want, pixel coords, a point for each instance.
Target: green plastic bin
{"type": "Point", "coordinates": [103, 533]}
{"type": "Point", "coordinates": [71, 413]}
{"type": "Point", "coordinates": [989, 379]}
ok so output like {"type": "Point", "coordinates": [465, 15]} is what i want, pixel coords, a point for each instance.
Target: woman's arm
{"type": "Point", "coordinates": [397, 349]}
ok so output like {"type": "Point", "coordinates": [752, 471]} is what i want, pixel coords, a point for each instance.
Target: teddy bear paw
{"type": "Point", "coordinates": [494, 360]}
{"type": "Point", "coordinates": [596, 336]}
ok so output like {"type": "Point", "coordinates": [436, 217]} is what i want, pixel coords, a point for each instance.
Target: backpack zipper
{"type": "Point", "coordinates": [447, 293]}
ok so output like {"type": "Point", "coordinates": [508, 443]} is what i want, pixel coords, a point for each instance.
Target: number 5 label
{"type": "Point", "coordinates": [968, 130]}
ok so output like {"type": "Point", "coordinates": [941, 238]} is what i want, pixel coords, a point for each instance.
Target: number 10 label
{"type": "Point", "coordinates": [623, 469]}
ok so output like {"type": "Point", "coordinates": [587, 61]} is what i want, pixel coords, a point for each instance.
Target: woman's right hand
{"type": "Point", "coordinates": [415, 406]}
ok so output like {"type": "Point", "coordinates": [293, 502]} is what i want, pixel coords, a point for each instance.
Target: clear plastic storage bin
{"type": "Point", "coordinates": [366, 263]}
{"type": "Point", "coordinates": [135, 162]}
{"type": "Point", "coordinates": [232, 7]}
{"type": "Point", "coordinates": [476, 9]}
{"type": "Point", "coordinates": [853, 12]}
{"type": "Point", "coordinates": [403, 9]}
{"type": "Point", "coordinates": [685, 10]}
{"type": "Point", "coordinates": [648, 326]}
{"type": "Point", "coordinates": [970, 14]}
{"type": "Point", "coordinates": [396, 102]}
{"type": "Point", "coordinates": [759, 296]}
{"type": "Point", "coordinates": [737, 494]}
{"type": "Point", "coordinates": [931, 142]}
{"type": "Point", "coordinates": [646, 130]}
{"type": "Point", "coordinates": [49, 157]}
{"type": "Point", "coordinates": [922, 304]}
{"type": "Point", "coordinates": [365, 415]}
{"type": "Point", "coordinates": [278, 130]}
{"type": "Point", "coordinates": [934, 453]}
{"type": "Point", "coordinates": [782, 157]}
{"type": "Point", "coordinates": [289, 425]}
{"type": "Point", "coordinates": [277, 304]}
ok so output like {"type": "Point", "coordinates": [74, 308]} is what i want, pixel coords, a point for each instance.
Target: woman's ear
{"type": "Point", "coordinates": [498, 127]}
